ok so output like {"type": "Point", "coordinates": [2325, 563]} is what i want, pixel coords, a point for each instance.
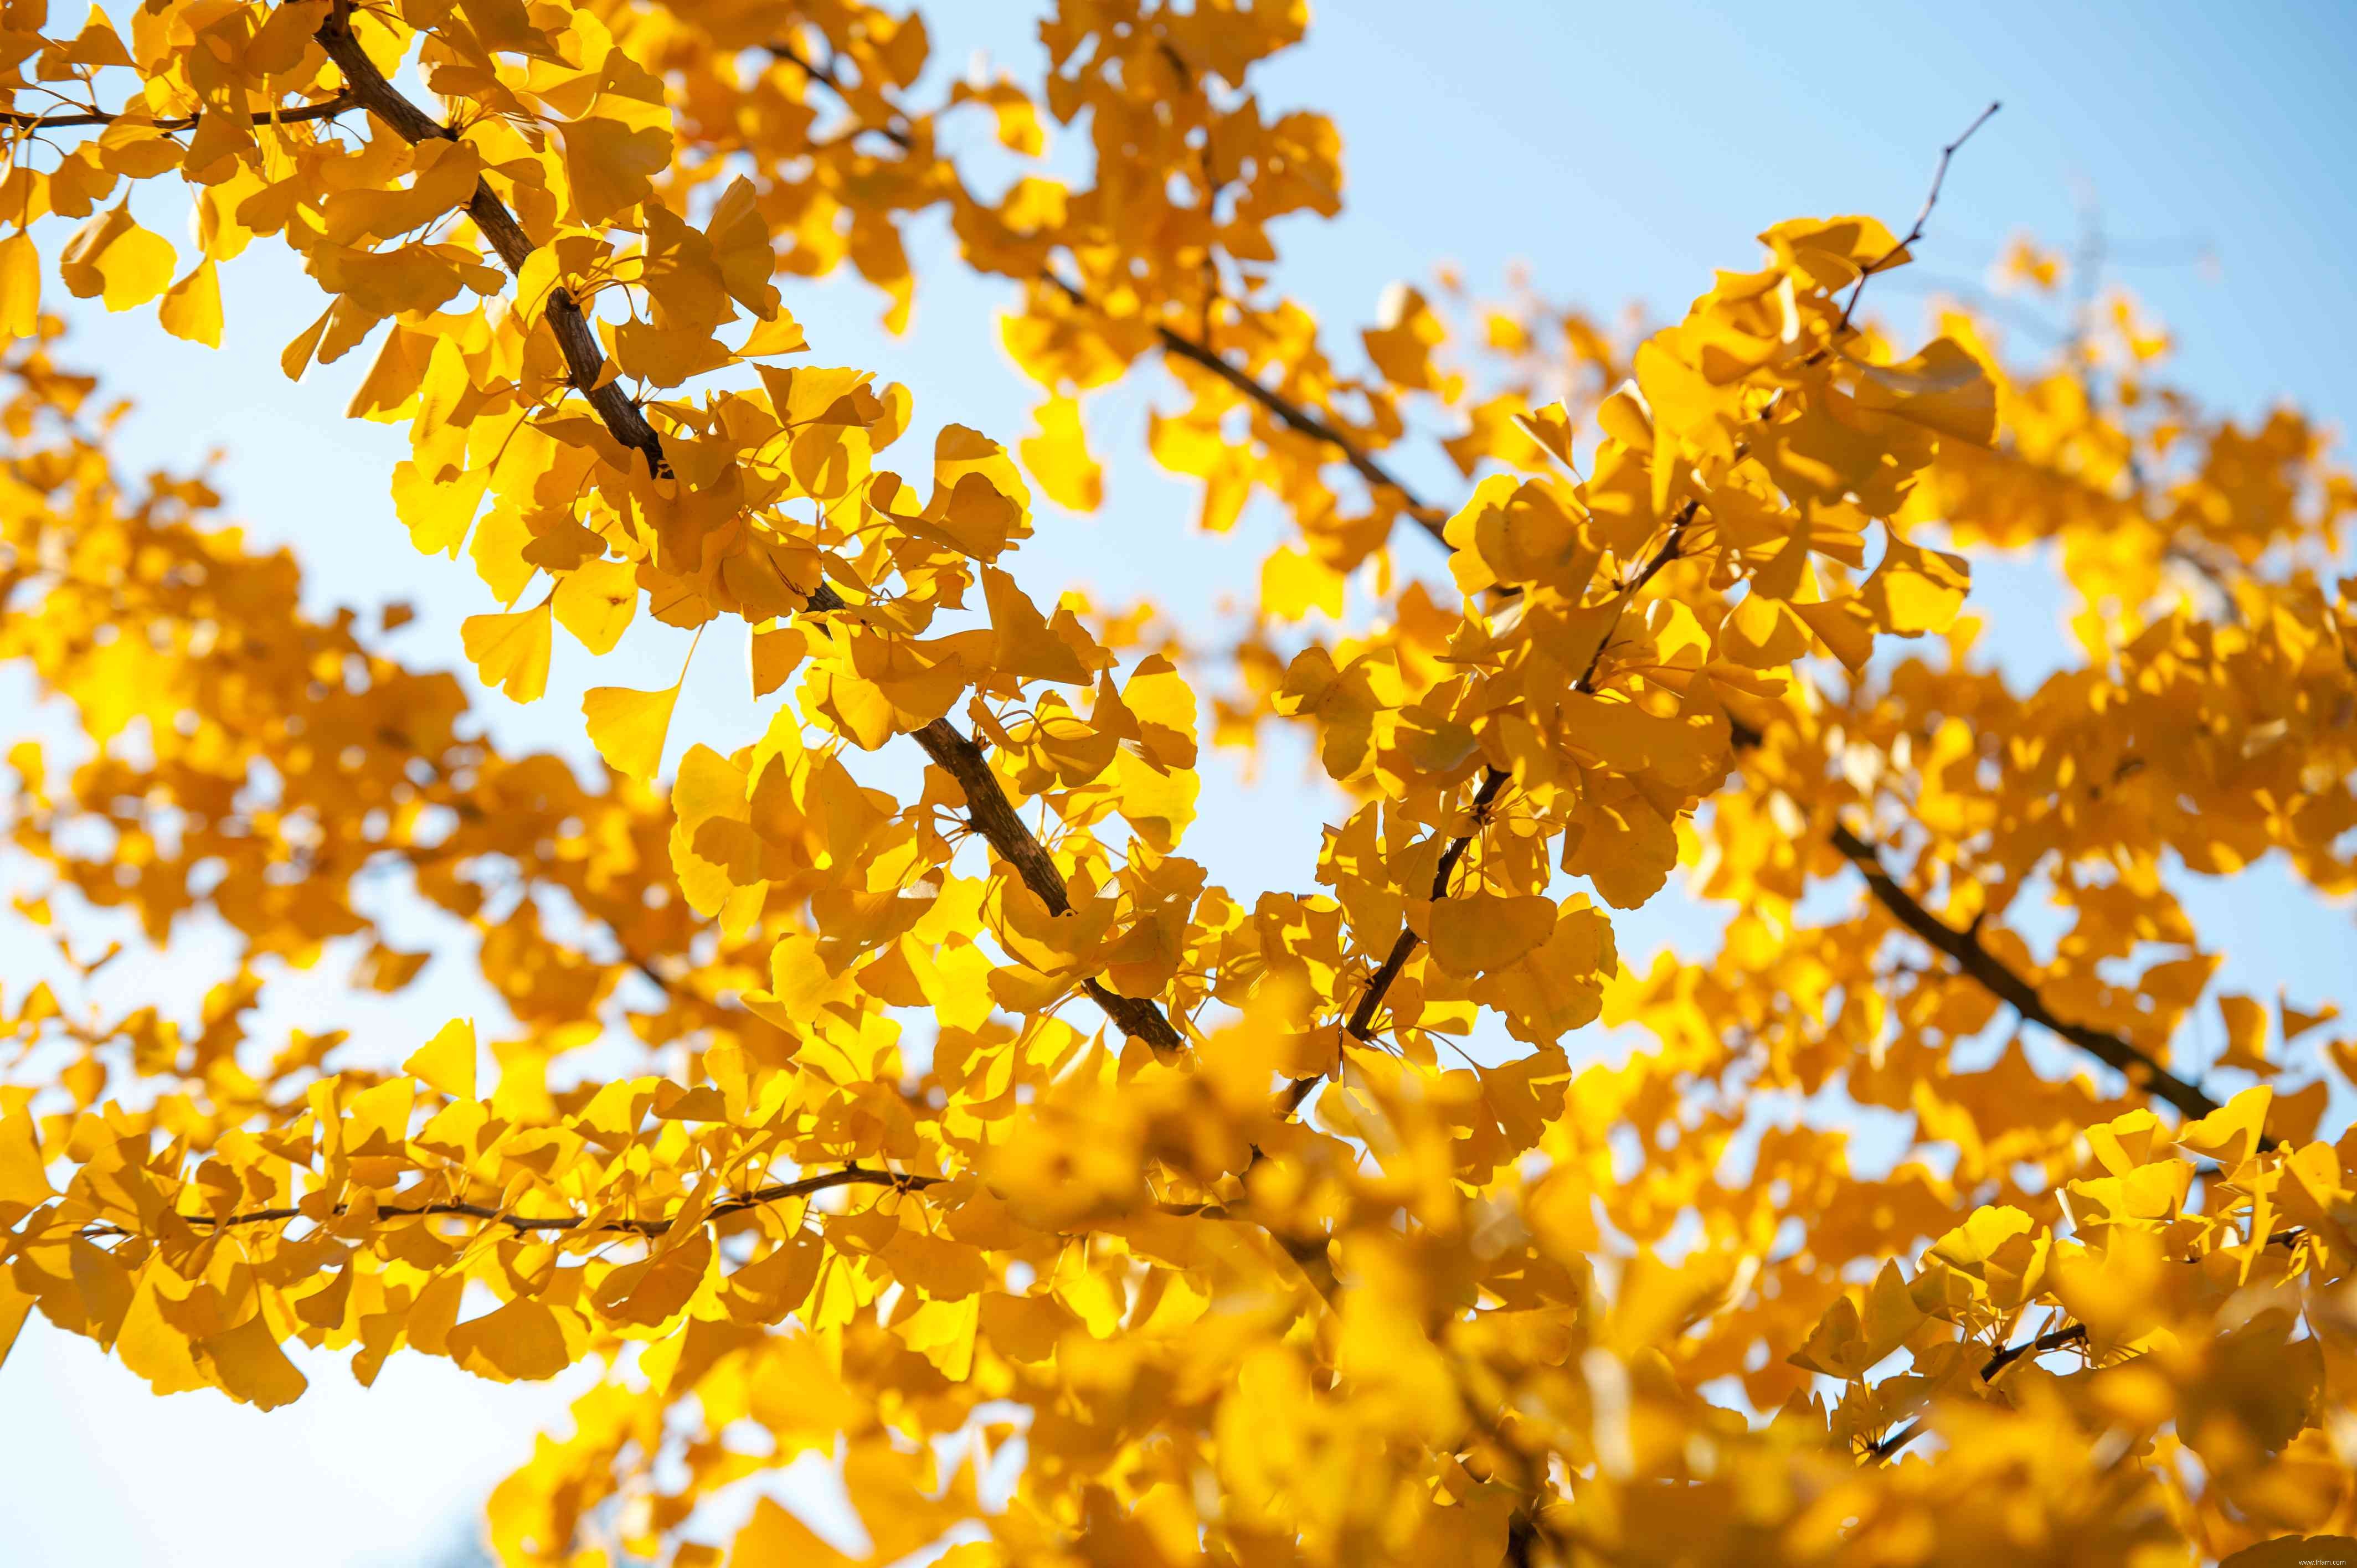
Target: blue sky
{"type": "Point", "coordinates": [1623, 152]}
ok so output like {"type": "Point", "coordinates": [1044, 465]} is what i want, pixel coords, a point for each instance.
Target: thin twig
{"type": "Point", "coordinates": [851, 1176]}
{"type": "Point", "coordinates": [328, 110]}
{"type": "Point", "coordinates": [1923, 216]}
{"type": "Point", "coordinates": [2075, 1334]}
{"type": "Point", "coordinates": [1295, 417]}
{"type": "Point", "coordinates": [1362, 1017]}
{"type": "Point", "coordinates": [826, 77]}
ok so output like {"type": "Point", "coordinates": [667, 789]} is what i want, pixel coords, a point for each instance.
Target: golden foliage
{"type": "Point", "coordinates": [1266, 1282]}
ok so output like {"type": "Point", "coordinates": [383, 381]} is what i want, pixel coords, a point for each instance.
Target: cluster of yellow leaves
{"type": "Point", "coordinates": [2212, 1334]}
{"type": "Point", "coordinates": [1265, 1280]}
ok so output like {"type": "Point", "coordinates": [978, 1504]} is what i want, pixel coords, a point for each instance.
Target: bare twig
{"type": "Point", "coordinates": [1923, 216]}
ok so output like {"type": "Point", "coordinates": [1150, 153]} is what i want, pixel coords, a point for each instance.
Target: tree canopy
{"type": "Point", "coordinates": [966, 1134]}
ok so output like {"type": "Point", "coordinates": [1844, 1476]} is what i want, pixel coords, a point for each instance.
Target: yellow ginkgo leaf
{"type": "Point", "coordinates": [611, 164]}
{"type": "Point", "coordinates": [438, 515]}
{"type": "Point", "coordinates": [2230, 1134]}
{"type": "Point", "coordinates": [24, 1185]}
{"type": "Point", "coordinates": [520, 1342]}
{"type": "Point", "coordinates": [251, 1368]}
{"type": "Point", "coordinates": [113, 257]}
{"type": "Point", "coordinates": [511, 651]}
{"type": "Point", "coordinates": [596, 602]}
{"type": "Point", "coordinates": [1482, 931]}
{"type": "Point", "coordinates": [628, 726]}
{"type": "Point", "coordinates": [741, 247]}
{"type": "Point", "coordinates": [192, 308]}
{"type": "Point", "coordinates": [773, 1538]}
{"type": "Point", "coordinates": [1916, 590]}
{"type": "Point", "coordinates": [1058, 458]}
{"type": "Point", "coordinates": [1293, 583]}
{"type": "Point", "coordinates": [20, 286]}
{"type": "Point", "coordinates": [775, 656]}
{"type": "Point", "coordinates": [15, 1305]}
{"type": "Point", "coordinates": [1028, 645]}
{"type": "Point", "coordinates": [447, 1061]}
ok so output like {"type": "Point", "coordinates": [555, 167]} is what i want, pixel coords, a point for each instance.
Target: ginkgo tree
{"type": "Point", "coordinates": [967, 1135]}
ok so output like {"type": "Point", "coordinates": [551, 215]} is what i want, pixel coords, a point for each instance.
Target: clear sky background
{"type": "Point", "coordinates": [1623, 152]}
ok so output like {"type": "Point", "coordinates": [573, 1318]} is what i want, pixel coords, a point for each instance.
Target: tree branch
{"type": "Point", "coordinates": [1923, 216]}
{"type": "Point", "coordinates": [1362, 1017]}
{"type": "Point", "coordinates": [851, 1176]}
{"type": "Point", "coordinates": [585, 361]}
{"type": "Point", "coordinates": [994, 817]}
{"type": "Point", "coordinates": [1985, 967]}
{"type": "Point", "coordinates": [1293, 417]}
{"type": "Point", "coordinates": [2075, 1334]}
{"type": "Point", "coordinates": [1974, 957]}
{"type": "Point", "coordinates": [1288, 413]}
{"type": "Point", "coordinates": [328, 110]}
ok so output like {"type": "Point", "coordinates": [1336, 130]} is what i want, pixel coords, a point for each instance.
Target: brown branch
{"type": "Point", "coordinates": [1923, 216]}
{"type": "Point", "coordinates": [2075, 1334]}
{"type": "Point", "coordinates": [851, 1176]}
{"type": "Point", "coordinates": [1362, 1016]}
{"type": "Point", "coordinates": [1293, 417]}
{"type": "Point", "coordinates": [994, 814]}
{"type": "Point", "coordinates": [328, 110]}
{"type": "Point", "coordinates": [1291, 414]}
{"type": "Point", "coordinates": [1973, 957]}
{"type": "Point", "coordinates": [1983, 966]}
{"type": "Point", "coordinates": [585, 361]}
